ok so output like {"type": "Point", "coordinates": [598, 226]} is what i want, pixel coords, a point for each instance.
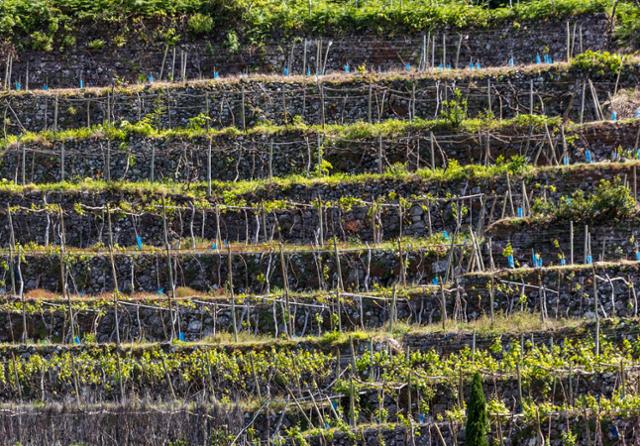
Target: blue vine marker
{"type": "Point", "coordinates": [510, 261]}
{"type": "Point", "coordinates": [538, 60]}
{"type": "Point", "coordinates": [587, 155]}
{"type": "Point", "coordinates": [18, 86]}
{"type": "Point", "coordinates": [76, 340]}
{"type": "Point", "coordinates": [181, 336]}
{"type": "Point", "coordinates": [637, 256]}
{"type": "Point", "coordinates": [614, 116]}
{"type": "Point", "coordinates": [160, 292]}
{"type": "Point", "coordinates": [81, 84]}
{"type": "Point", "coordinates": [520, 213]}
{"type": "Point", "coordinates": [589, 260]}
{"type": "Point", "coordinates": [346, 68]}
{"type": "Point", "coordinates": [285, 71]}
{"type": "Point", "coordinates": [139, 242]}
{"type": "Point", "coordinates": [563, 261]}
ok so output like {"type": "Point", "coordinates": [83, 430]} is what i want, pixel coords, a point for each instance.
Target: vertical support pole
{"type": "Point", "coordinates": [171, 294]}
{"type": "Point", "coordinates": [571, 242]}
{"type": "Point", "coordinates": [232, 293]}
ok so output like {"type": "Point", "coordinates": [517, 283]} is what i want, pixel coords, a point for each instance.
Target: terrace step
{"type": "Point", "coordinates": [364, 208]}
{"type": "Point", "coordinates": [244, 103]}
{"type": "Point", "coordinates": [488, 46]}
{"type": "Point", "coordinates": [183, 155]}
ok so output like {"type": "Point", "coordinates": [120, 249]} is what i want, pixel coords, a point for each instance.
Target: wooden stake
{"type": "Point", "coordinates": [232, 293]}
{"type": "Point", "coordinates": [171, 294]}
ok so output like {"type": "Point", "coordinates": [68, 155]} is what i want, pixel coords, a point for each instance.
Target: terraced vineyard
{"type": "Point", "coordinates": [319, 223]}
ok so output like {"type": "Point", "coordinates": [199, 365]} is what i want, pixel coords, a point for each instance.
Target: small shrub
{"type": "Point", "coordinates": [200, 24]}
{"type": "Point", "coordinates": [610, 201]}
{"type": "Point", "coordinates": [232, 43]}
{"type": "Point", "coordinates": [41, 41]}
{"type": "Point", "coordinates": [96, 44]}
{"type": "Point", "coordinates": [120, 40]}
{"type": "Point", "coordinates": [596, 63]}
{"type": "Point", "coordinates": [454, 111]}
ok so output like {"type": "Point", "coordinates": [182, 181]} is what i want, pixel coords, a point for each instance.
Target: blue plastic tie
{"type": "Point", "coordinates": [511, 262]}
{"type": "Point", "coordinates": [565, 160]}
{"type": "Point", "coordinates": [76, 340]}
{"type": "Point", "coordinates": [478, 65]}
{"type": "Point", "coordinates": [520, 213]}
{"type": "Point", "coordinates": [434, 281]}
{"type": "Point", "coordinates": [346, 68]}
{"type": "Point", "coordinates": [285, 71]}
{"type": "Point", "coordinates": [18, 86]}
{"type": "Point", "coordinates": [308, 71]}
{"type": "Point", "coordinates": [637, 256]}
{"type": "Point", "coordinates": [563, 261]}
{"type": "Point", "coordinates": [45, 87]}
{"type": "Point", "coordinates": [181, 336]}
{"type": "Point", "coordinates": [538, 61]}
{"type": "Point", "coordinates": [160, 292]}
{"type": "Point", "coordinates": [614, 116]}
{"type": "Point", "coordinates": [139, 242]}
{"type": "Point", "coordinates": [214, 245]}
{"type": "Point", "coordinates": [81, 84]}
{"type": "Point", "coordinates": [589, 260]}
{"type": "Point", "coordinates": [512, 62]}
{"type": "Point", "coordinates": [445, 234]}
{"type": "Point", "coordinates": [407, 67]}
{"type": "Point", "coordinates": [216, 75]}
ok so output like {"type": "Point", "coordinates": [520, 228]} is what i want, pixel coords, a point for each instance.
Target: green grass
{"type": "Point", "coordinates": [361, 130]}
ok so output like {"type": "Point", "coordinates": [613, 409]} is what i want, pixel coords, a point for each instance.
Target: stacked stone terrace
{"type": "Point", "coordinates": [326, 250]}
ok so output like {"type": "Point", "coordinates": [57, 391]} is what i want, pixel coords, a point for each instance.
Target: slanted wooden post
{"type": "Point", "coordinates": [285, 281]}
{"type": "Point", "coordinates": [116, 290]}
{"type": "Point", "coordinates": [12, 249]}
{"type": "Point", "coordinates": [63, 274]}
{"type": "Point", "coordinates": [171, 294]}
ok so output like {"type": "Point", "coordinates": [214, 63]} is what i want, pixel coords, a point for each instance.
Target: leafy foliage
{"type": "Point", "coordinates": [477, 425]}
{"type": "Point", "coordinates": [610, 201]}
{"type": "Point", "coordinates": [255, 20]}
{"type": "Point", "coordinates": [597, 63]}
